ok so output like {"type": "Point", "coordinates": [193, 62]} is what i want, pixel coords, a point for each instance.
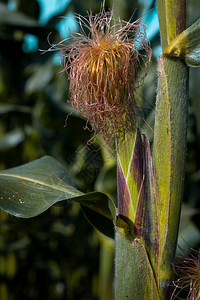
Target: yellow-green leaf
{"type": "Point", "coordinates": [187, 45]}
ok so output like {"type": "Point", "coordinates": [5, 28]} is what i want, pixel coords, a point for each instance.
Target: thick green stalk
{"type": "Point", "coordinates": [172, 19]}
{"type": "Point", "coordinates": [170, 139]}
{"type": "Point", "coordinates": [169, 160]}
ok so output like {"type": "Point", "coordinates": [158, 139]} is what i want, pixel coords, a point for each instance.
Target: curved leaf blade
{"type": "Point", "coordinates": [98, 221]}
{"type": "Point", "coordinates": [30, 189]}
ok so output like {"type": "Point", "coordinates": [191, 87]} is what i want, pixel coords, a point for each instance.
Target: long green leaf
{"type": "Point", "coordinates": [29, 190]}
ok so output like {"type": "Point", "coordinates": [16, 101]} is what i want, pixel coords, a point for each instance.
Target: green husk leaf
{"type": "Point", "coordinates": [129, 177]}
{"type": "Point", "coordinates": [136, 280]}
{"type": "Point", "coordinates": [187, 45]}
{"type": "Point", "coordinates": [146, 220]}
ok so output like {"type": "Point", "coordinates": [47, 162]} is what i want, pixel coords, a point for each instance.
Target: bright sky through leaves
{"type": "Point", "coordinates": [51, 8]}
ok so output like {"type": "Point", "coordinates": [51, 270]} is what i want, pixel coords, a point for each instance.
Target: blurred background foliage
{"type": "Point", "coordinates": [58, 255]}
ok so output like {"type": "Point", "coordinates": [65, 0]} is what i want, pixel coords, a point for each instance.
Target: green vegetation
{"type": "Point", "coordinates": [58, 254]}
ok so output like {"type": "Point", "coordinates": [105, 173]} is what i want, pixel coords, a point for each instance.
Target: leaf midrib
{"type": "Point", "coordinates": [73, 191]}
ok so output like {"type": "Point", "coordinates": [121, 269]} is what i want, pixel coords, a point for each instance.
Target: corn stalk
{"type": "Point", "coordinates": [145, 251]}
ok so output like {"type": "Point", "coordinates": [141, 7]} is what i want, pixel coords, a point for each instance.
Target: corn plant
{"type": "Point", "coordinates": [103, 71]}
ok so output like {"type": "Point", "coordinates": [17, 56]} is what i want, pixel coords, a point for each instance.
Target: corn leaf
{"type": "Point", "coordinates": [30, 189]}
{"type": "Point", "coordinates": [187, 45]}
